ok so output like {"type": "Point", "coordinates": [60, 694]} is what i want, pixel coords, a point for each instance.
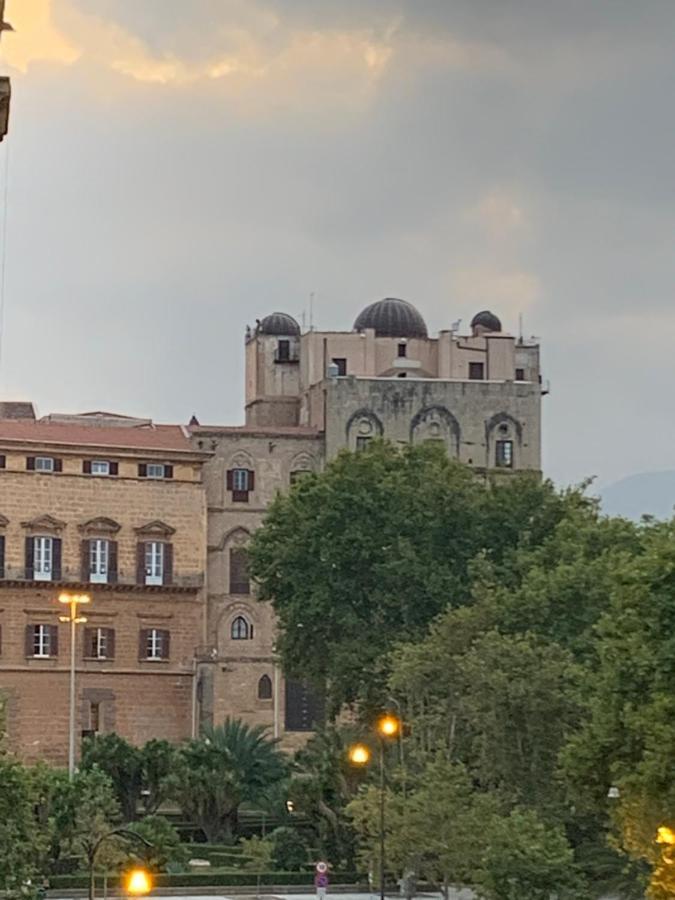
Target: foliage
{"type": "Point", "coordinates": [368, 553]}
{"type": "Point", "coordinates": [19, 838]}
{"type": "Point", "coordinates": [166, 849]}
{"type": "Point", "coordinates": [137, 773]}
{"type": "Point", "coordinates": [290, 851]}
{"type": "Point", "coordinates": [525, 858]}
{"type": "Point", "coordinates": [321, 786]}
{"type": "Point", "coordinates": [216, 773]}
{"type": "Point", "coordinates": [258, 852]}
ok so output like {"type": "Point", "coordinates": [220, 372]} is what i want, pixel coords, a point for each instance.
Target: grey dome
{"type": "Point", "coordinates": [392, 318]}
{"type": "Point", "coordinates": [487, 320]}
{"type": "Point", "coordinates": [278, 323]}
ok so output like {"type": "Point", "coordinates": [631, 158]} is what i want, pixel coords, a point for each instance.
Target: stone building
{"type": "Point", "coordinates": [310, 395]}
{"type": "Point", "coordinates": [114, 507]}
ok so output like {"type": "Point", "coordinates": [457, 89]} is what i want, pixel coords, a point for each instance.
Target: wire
{"type": "Point", "coordinates": [3, 253]}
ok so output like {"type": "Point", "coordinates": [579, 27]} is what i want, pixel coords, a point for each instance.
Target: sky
{"type": "Point", "coordinates": [176, 169]}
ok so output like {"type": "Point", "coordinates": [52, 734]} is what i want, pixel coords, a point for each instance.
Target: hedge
{"type": "Point", "coordinates": [211, 879]}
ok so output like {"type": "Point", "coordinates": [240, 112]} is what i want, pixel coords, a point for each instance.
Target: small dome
{"type": "Point", "coordinates": [486, 320]}
{"type": "Point", "coordinates": [278, 323]}
{"type": "Point", "coordinates": [392, 318]}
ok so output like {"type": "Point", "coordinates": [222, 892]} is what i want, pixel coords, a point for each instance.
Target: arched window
{"type": "Point", "coordinates": [241, 630]}
{"type": "Point", "coordinates": [265, 688]}
{"type": "Point", "coordinates": [239, 580]}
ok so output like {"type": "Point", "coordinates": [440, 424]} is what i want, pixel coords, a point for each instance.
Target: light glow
{"type": "Point", "coordinates": [359, 754]}
{"type": "Point", "coordinates": [139, 883]}
{"type": "Point", "coordinates": [388, 726]}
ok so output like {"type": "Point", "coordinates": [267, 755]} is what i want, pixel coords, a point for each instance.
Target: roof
{"type": "Point", "coordinates": [258, 430]}
{"type": "Point", "coordinates": [173, 438]}
{"type": "Point", "coordinates": [17, 409]}
{"type": "Point", "coordinates": [278, 323]}
{"type": "Point", "coordinates": [392, 317]}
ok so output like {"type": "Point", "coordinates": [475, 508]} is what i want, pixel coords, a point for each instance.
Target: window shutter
{"type": "Point", "coordinates": [53, 640]}
{"type": "Point", "coordinates": [30, 637]}
{"type": "Point", "coordinates": [142, 470]}
{"type": "Point", "coordinates": [165, 644]}
{"type": "Point", "coordinates": [0, 640]}
{"type": "Point", "coordinates": [114, 468]}
{"type": "Point", "coordinates": [140, 563]}
{"type": "Point", "coordinates": [229, 480]}
{"type": "Point", "coordinates": [167, 574]}
{"type": "Point", "coordinates": [110, 643]}
{"type": "Point", "coordinates": [30, 547]}
{"type": "Point", "coordinates": [86, 466]}
{"type": "Point", "coordinates": [56, 559]}
{"type": "Point", "coordinates": [168, 471]}
{"type": "Point", "coordinates": [143, 643]}
{"type": "Point", "coordinates": [2, 556]}
{"type": "Point", "coordinates": [251, 480]}
{"type": "Point", "coordinates": [3, 461]}
{"type": "Point", "coordinates": [88, 644]}
{"type": "Point", "coordinates": [58, 465]}
{"type": "Point", "coordinates": [85, 570]}
{"type": "Point", "coordinates": [112, 562]}
{"type": "Point", "coordinates": [30, 463]}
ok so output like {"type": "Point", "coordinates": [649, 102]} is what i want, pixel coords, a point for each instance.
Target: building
{"type": "Point", "coordinates": [115, 507]}
{"type": "Point", "coordinates": [310, 395]}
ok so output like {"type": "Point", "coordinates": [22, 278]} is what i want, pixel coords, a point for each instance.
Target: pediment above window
{"type": "Point", "coordinates": [100, 525]}
{"type": "Point", "coordinates": [156, 528]}
{"type": "Point", "coordinates": [4, 521]}
{"type": "Point", "coordinates": [44, 523]}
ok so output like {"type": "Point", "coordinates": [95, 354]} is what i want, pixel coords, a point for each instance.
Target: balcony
{"type": "Point", "coordinates": [125, 581]}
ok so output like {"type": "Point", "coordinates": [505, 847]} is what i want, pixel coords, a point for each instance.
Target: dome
{"type": "Point", "coordinates": [278, 323]}
{"type": "Point", "coordinates": [392, 318]}
{"type": "Point", "coordinates": [486, 320]}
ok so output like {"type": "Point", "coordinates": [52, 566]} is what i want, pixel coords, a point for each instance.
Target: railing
{"type": "Point", "coordinates": [122, 579]}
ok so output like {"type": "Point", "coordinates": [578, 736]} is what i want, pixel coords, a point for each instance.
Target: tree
{"type": "Point", "coordinates": [165, 848]}
{"type": "Point", "coordinates": [289, 850]}
{"type": "Point", "coordinates": [368, 553]}
{"type": "Point", "coordinates": [215, 774]}
{"type": "Point", "coordinates": [123, 763]}
{"type": "Point", "coordinates": [321, 786]}
{"type": "Point", "coordinates": [259, 852]}
{"type": "Point", "coordinates": [525, 858]}
{"type": "Point", "coordinates": [19, 837]}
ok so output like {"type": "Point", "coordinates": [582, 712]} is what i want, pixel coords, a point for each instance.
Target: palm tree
{"type": "Point", "coordinates": [230, 764]}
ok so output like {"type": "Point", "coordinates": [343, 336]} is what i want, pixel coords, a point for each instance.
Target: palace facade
{"type": "Point", "coordinates": [153, 521]}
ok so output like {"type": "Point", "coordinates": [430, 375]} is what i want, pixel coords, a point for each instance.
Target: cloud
{"type": "Point", "coordinates": [512, 292]}
{"type": "Point", "coordinates": [36, 37]}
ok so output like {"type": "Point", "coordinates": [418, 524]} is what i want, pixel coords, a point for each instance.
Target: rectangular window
{"type": "Point", "coordinates": [402, 350]}
{"type": "Point", "coordinates": [100, 467]}
{"type": "Point", "coordinates": [44, 464]}
{"type": "Point", "coordinates": [362, 443]}
{"type": "Point", "coordinates": [95, 717]}
{"type": "Point", "coordinates": [283, 351]}
{"type": "Point", "coordinates": [476, 371]}
{"type": "Point", "coordinates": [155, 470]}
{"type": "Point", "coordinates": [154, 562]}
{"type": "Point", "coordinates": [43, 558]}
{"type": "Point", "coordinates": [3, 461]}
{"type": "Point", "coordinates": [341, 364]}
{"type": "Point", "coordinates": [99, 555]}
{"type": "Point", "coordinates": [42, 641]}
{"type": "Point", "coordinates": [520, 374]}
{"type": "Point", "coordinates": [156, 644]}
{"type": "Point", "coordinates": [240, 480]}
{"type": "Point", "coordinates": [99, 643]}
{"type": "Point", "coordinates": [504, 457]}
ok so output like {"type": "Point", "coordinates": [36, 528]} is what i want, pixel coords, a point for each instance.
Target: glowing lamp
{"type": "Point", "coordinates": [138, 883]}
{"type": "Point", "coordinates": [388, 726]}
{"type": "Point", "coordinates": [359, 755]}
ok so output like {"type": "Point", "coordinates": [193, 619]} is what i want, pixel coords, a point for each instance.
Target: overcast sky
{"type": "Point", "coordinates": [178, 168]}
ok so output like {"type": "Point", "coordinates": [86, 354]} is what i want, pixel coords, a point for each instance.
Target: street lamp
{"type": "Point", "coordinates": [72, 601]}
{"type": "Point", "coordinates": [139, 883]}
{"type": "Point", "coordinates": [387, 726]}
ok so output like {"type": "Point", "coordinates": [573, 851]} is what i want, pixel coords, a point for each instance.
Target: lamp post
{"type": "Point", "coordinates": [72, 601]}
{"type": "Point", "coordinates": [387, 726]}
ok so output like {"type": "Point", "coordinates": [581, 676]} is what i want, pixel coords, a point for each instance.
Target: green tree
{"type": "Point", "coordinates": [368, 553]}
{"type": "Point", "coordinates": [525, 858]}
{"type": "Point", "coordinates": [321, 786]}
{"type": "Point", "coordinates": [289, 849]}
{"type": "Point", "coordinates": [123, 763]}
{"type": "Point", "coordinates": [19, 838]}
{"type": "Point", "coordinates": [165, 850]}
{"type": "Point", "coordinates": [258, 852]}
{"type": "Point", "coordinates": [230, 764]}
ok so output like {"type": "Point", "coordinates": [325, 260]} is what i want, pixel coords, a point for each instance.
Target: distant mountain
{"type": "Point", "coordinates": [651, 493]}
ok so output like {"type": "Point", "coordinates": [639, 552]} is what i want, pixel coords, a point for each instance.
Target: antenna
{"type": "Point", "coordinates": [520, 328]}
{"type": "Point", "coordinates": [311, 311]}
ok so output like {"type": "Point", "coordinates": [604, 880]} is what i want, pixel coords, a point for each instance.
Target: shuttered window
{"type": "Point", "coordinates": [42, 641]}
{"type": "Point", "coordinates": [240, 482]}
{"type": "Point", "coordinates": [239, 580]}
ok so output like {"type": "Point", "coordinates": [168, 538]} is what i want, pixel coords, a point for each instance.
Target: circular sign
{"type": "Point", "coordinates": [321, 867]}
